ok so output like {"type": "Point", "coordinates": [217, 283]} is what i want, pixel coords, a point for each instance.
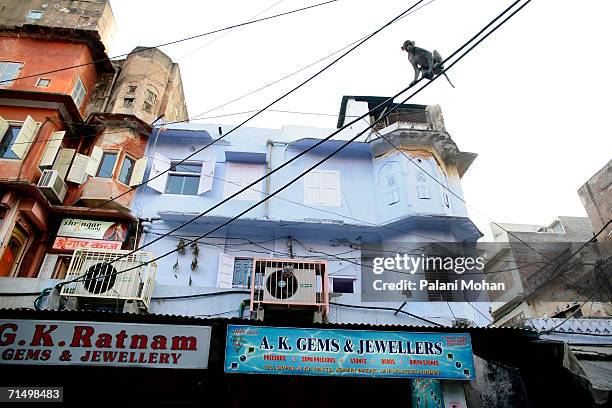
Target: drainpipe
{"type": "Point", "coordinates": [110, 89]}
{"type": "Point", "coordinates": [269, 145]}
{"type": "Point", "coordinates": [243, 304]}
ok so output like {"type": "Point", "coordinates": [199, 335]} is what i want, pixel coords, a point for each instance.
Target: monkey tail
{"type": "Point", "coordinates": [448, 79]}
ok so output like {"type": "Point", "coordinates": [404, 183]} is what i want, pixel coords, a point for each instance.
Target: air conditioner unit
{"type": "Point", "coordinates": [297, 286]}
{"type": "Point", "coordinates": [52, 186]}
{"type": "Point", "coordinates": [291, 285]}
{"type": "Point", "coordinates": [105, 277]}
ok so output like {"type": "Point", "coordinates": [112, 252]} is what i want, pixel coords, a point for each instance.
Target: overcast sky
{"type": "Point", "coordinates": [532, 101]}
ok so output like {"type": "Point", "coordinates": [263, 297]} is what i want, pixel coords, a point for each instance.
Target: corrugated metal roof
{"type": "Point", "coordinates": [583, 326]}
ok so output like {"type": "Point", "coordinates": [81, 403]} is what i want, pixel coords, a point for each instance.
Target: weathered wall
{"type": "Point", "coordinates": [149, 70]}
{"type": "Point", "coordinates": [494, 386]}
{"type": "Point", "coordinates": [596, 196]}
{"type": "Point", "coordinates": [92, 16]}
{"type": "Point", "coordinates": [41, 55]}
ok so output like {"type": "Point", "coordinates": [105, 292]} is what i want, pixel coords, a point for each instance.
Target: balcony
{"type": "Point", "coordinates": [97, 191]}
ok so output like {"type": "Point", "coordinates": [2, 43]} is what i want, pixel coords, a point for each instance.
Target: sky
{"type": "Point", "coordinates": [531, 101]}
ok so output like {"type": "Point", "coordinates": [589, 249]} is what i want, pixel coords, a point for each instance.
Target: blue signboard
{"type": "Point", "coordinates": [350, 353]}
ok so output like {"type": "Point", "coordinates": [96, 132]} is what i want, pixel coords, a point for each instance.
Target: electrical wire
{"type": "Point", "coordinates": [390, 309]}
{"type": "Point", "coordinates": [556, 270]}
{"type": "Point", "coordinates": [171, 42]}
{"type": "Point", "coordinates": [300, 85]}
{"type": "Point", "coordinates": [83, 278]}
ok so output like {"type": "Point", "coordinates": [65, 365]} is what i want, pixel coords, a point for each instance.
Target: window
{"type": "Point", "coordinates": [239, 175]}
{"type": "Point", "coordinates": [107, 165]}
{"type": "Point", "coordinates": [9, 263]}
{"type": "Point", "coordinates": [34, 14]}
{"type": "Point", "coordinates": [243, 269]}
{"type": "Point", "coordinates": [184, 179]}
{"type": "Point", "coordinates": [8, 139]}
{"type": "Point", "coordinates": [8, 72]}
{"type": "Point", "coordinates": [149, 103]}
{"type": "Point", "coordinates": [322, 187]}
{"type": "Point", "coordinates": [344, 284]}
{"type": "Point", "coordinates": [132, 89]}
{"type": "Point", "coordinates": [128, 102]}
{"type": "Point", "coordinates": [43, 83]}
{"type": "Point", "coordinates": [78, 92]}
{"type": "Point", "coordinates": [432, 274]}
{"type": "Point", "coordinates": [127, 167]}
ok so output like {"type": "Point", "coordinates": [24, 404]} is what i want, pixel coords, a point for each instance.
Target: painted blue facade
{"type": "Point", "coordinates": [371, 193]}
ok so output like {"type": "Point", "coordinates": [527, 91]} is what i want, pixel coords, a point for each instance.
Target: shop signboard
{"type": "Point", "coordinates": [350, 353]}
{"type": "Point", "coordinates": [75, 233]}
{"type": "Point", "coordinates": [104, 344]}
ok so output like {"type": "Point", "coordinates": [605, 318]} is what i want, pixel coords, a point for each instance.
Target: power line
{"type": "Point", "coordinates": [206, 44]}
{"type": "Point", "coordinates": [172, 42]}
{"type": "Point", "coordinates": [557, 269]}
{"type": "Point", "coordinates": [266, 107]}
{"type": "Point", "coordinates": [83, 278]}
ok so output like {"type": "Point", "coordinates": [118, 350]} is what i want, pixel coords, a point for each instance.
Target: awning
{"type": "Point", "coordinates": [593, 365]}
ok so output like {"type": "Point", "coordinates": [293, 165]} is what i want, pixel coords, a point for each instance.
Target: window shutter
{"type": "Point", "coordinates": [161, 164]}
{"type": "Point", "coordinates": [77, 173]}
{"type": "Point", "coordinates": [25, 137]}
{"type": "Point", "coordinates": [322, 188]}
{"type": "Point", "coordinates": [225, 272]}
{"type": "Point", "coordinates": [4, 125]}
{"type": "Point", "coordinates": [48, 266]}
{"type": "Point", "coordinates": [138, 172]}
{"type": "Point", "coordinates": [240, 175]}
{"type": "Point", "coordinates": [94, 161]}
{"type": "Point", "coordinates": [53, 146]}
{"type": "Point", "coordinates": [206, 177]}
{"type": "Point", "coordinates": [62, 164]}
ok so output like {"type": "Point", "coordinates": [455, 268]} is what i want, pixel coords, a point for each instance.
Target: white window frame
{"type": "Point", "coordinates": [174, 172]}
{"type": "Point", "coordinates": [21, 124]}
{"type": "Point", "coordinates": [129, 156]}
{"type": "Point", "coordinates": [348, 277]}
{"type": "Point", "coordinates": [38, 85]}
{"type": "Point", "coordinates": [4, 68]}
{"type": "Point", "coordinates": [308, 199]}
{"type": "Point", "coordinates": [117, 153]}
{"type": "Point", "coordinates": [41, 12]}
{"type": "Point", "coordinates": [80, 97]}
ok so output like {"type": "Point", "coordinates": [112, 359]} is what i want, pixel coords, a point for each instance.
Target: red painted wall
{"type": "Point", "coordinates": [39, 56]}
{"type": "Point", "coordinates": [28, 169]}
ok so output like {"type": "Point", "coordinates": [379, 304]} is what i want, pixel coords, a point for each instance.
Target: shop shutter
{"type": "Point", "coordinates": [53, 146]}
{"type": "Point", "coordinates": [62, 164]}
{"type": "Point", "coordinates": [206, 177]}
{"type": "Point", "coordinates": [25, 137]}
{"type": "Point", "coordinates": [4, 125]}
{"type": "Point", "coordinates": [138, 173]}
{"type": "Point", "coordinates": [225, 272]}
{"type": "Point", "coordinates": [94, 161]}
{"type": "Point", "coordinates": [78, 173]}
{"type": "Point", "coordinates": [161, 164]}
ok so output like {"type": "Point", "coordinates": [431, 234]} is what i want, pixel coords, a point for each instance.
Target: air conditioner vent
{"type": "Point", "coordinates": [107, 277]}
{"type": "Point", "coordinates": [52, 186]}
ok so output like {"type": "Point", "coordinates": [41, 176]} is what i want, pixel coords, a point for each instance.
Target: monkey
{"type": "Point", "coordinates": [427, 63]}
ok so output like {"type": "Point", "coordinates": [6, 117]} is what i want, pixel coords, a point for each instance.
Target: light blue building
{"type": "Point", "coordinates": [369, 193]}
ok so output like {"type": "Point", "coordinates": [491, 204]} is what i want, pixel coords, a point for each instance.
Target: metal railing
{"type": "Point", "coordinates": [416, 119]}
{"type": "Point", "coordinates": [107, 281]}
